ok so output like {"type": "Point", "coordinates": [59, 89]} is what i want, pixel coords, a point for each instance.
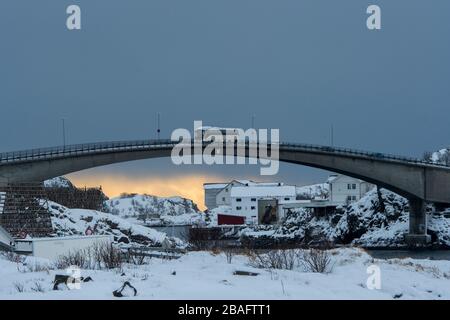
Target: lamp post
{"type": "Point", "coordinates": [64, 132]}
{"type": "Point", "coordinates": [158, 130]}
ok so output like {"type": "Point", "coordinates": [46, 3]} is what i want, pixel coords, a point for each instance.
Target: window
{"type": "Point", "coordinates": [238, 208]}
{"type": "Point", "coordinates": [354, 186]}
{"type": "Point", "coordinates": [252, 207]}
{"type": "Point", "coordinates": [238, 199]}
{"type": "Point", "coordinates": [287, 199]}
{"type": "Point", "coordinates": [253, 199]}
{"type": "Point", "coordinates": [223, 199]}
{"type": "Point", "coordinates": [349, 186]}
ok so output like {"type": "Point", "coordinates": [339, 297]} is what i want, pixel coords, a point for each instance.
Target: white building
{"type": "Point", "coordinates": [218, 194]}
{"type": "Point", "coordinates": [261, 204]}
{"type": "Point", "coordinates": [52, 248]}
{"type": "Point", "coordinates": [267, 203]}
{"type": "Point", "coordinates": [211, 190]}
{"type": "Point", "coordinates": [344, 189]}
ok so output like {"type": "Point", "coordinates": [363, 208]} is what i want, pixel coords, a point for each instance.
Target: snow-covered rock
{"type": "Point", "coordinates": [441, 157]}
{"type": "Point", "coordinates": [363, 223]}
{"type": "Point", "coordinates": [68, 222]}
{"type": "Point", "coordinates": [58, 182]}
{"type": "Point", "coordinates": [315, 191]}
{"type": "Point", "coordinates": [154, 210]}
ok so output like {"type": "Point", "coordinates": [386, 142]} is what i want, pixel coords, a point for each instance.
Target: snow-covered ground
{"type": "Point", "coordinates": [202, 275]}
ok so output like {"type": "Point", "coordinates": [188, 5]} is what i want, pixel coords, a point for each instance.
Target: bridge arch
{"type": "Point", "coordinates": [407, 177]}
{"type": "Point", "coordinates": [416, 180]}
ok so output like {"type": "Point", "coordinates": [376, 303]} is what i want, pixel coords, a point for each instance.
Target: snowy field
{"type": "Point", "coordinates": [203, 275]}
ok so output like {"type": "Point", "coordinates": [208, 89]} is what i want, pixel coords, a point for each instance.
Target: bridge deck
{"type": "Point", "coordinates": [135, 145]}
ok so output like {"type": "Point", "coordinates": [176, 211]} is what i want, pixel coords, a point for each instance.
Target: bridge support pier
{"type": "Point", "coordinates": [417, 235]}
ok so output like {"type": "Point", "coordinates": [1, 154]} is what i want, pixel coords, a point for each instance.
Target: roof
{"type": "Point", "coordinates": [332, 177]}
{"type": "Point", "coordinates": [76, 237]}
{"type": "Point", "coordinates": [254, 183]}
{"type": "Point", "coordinates": [221, 185]}
{"type": "Point", "coordinates": [338, 177]}
{"type": "Point", "coordinates": [208, 186]}
{"type": "Point", "coordinates": [263, 191]}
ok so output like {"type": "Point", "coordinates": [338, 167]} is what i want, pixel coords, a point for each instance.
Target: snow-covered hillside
{"type": "Point", "coordinates": [362, 223]}
{"type": "Point", "coordinates": [154, 210]}
{"type": "Point", "coordinates": [202, 275]}
{"type": "Point", "coordinates": [68, 222]}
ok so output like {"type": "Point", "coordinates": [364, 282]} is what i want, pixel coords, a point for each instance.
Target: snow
{"type": "Point", "coordinates": [360, 223]}
{"type": "Point", "coordinates": [219, 210]}
{"type": "Point", "coordinates": [156, 210]}
{"type": "Point", "coordinates": [2, 201]}
{"type": "Point", "coordinates": [440, 157]}
{"type": "Point", "coordinates": [58, 182]}
{"type": "Point", "coordinates": [218, 186]}
{"type": "Point", "coordinates": [202, 275]}
{"type": "Point", "coordinates": [263, 191]}
{"type": "Point", "coordinates": [254, 183]}
{"type": "Point", "coordinates": [315, 191]}
{"type": "Point", "coordinates": [67, 222]}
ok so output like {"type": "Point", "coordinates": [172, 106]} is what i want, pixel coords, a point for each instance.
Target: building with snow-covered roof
{"type": "Point", "coordinates": [260, 204]}
{"type": "Point", "coordinates": [218, 194]}
{"type": "Point", "coordinates": [344, 189]}
{"type": "Point", "coordinates": [211, 190]}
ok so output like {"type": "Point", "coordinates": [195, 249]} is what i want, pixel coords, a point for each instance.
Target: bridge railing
{"type": "Point", "coordinates": [79, 149]}
{"type": "Point", "coordinates": [348, 151]}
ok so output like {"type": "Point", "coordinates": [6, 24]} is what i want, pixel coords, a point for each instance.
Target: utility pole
{"type": "Point", "coordinates": [158, 126]}
{"type": "Point", "coordinates": [64, 132]}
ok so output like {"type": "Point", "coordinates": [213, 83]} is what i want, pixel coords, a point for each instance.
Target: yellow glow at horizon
{"type": "Point", "coordinates": [190, 187]}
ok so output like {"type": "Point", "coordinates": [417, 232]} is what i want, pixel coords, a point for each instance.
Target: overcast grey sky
{"type": "Point", "coordinates": [298, 65]}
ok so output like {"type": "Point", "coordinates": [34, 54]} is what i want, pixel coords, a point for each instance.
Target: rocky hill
{"type": "Point", "coordinates": [361, 223]}
{"type": "Point", "coordinates": [148, 209]}
{"type": "Point", "coordinates": [67, 222]}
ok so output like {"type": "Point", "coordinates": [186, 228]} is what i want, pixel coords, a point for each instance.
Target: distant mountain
{"type": "Point", "coordinates": [150, 209]}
